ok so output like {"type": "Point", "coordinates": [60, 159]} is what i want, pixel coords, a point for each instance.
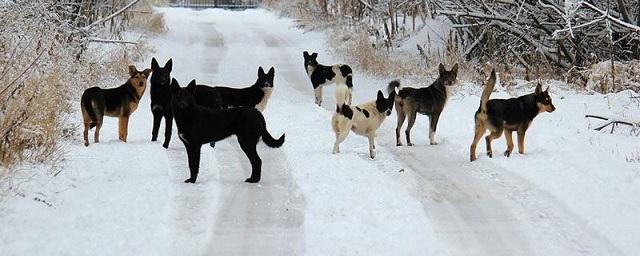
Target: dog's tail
{"type": "Point", "coordinates": [393, 87]}
{"type": "Point", "coordinates": [345, 110]}
{"type": "Point", "coordinates": [270, 141]}
{"type": "Point", "coordinates": [342, 94]}
{"type": "Point", "coordinates": [88, 107]}
{"type": "Point", "coordinates": [486, 92]}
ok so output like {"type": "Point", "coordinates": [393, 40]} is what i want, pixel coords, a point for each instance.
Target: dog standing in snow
{"type": "Point", "coordinates": [427, 101]}
{"type": "Point", "coordinates": [118, 102]}
{"type": "Point", "coordinates": [321, 75]}
{"type": "Point", "coordinates": [507, 115]}
{"type": "Point", "coordinates": [363, 119]}
{"type": "Point", "coordinates": [198, 125]}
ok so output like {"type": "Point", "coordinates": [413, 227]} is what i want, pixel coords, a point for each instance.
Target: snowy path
{"type": "Point", "coordinates": [421, 200]}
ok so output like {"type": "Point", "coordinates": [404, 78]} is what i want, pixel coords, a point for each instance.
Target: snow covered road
{"type": "Point", "coordinates": [421, 200]}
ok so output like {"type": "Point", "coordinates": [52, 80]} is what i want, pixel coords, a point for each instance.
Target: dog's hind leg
{"type": "Point", "coordinates": [479, 131]}
{"type": "Point", "coordinates": [401, 117]}
{"type": "Point", "coordinates": [157, 118]}
{"type": "Point", "coordinates": [433, 124]}
{"type": "Point", "coordinates": [341, 135]}
{"type": "Point", "coordinates": [168, 126]}
{"type": "Point", "coordinates": [494, 135]}
{"type": "Point", "coordinates": [85, 133]}
{"type": "Point", "coordinates": [318, 95]}
{"type": "Point", "coordinates": [508, 134]}
{"type": "Point", "coordinates": [350, 98]}
{"type": "Point", "coordinates": [193, 154]}
{"type": "Point", "coordinates": [248, 145]}
{"type": "Point", "coordinates": [412, 120]}
{"type": "Point", "coordinates": [96, 138]}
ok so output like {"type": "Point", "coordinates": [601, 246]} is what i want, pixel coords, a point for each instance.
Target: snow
{"type": "Point", "coordinates": [573, 192]}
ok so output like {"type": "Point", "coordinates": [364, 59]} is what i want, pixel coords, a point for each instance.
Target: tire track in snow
{"type": "Point", "coordinates": [257, 219]}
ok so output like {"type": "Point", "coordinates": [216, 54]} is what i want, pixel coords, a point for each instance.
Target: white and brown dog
{"type": "Point", "coordinates": [363, 119]}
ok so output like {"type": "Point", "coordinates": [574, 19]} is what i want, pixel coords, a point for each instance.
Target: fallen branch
{"type": "Point", "coordinates": [100, 40]}
{"type": "Point", "coordinates": [613, 122]}
{"type": "Point", "coordinates": [112, 15]}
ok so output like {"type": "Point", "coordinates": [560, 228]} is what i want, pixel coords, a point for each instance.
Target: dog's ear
{"type": "Point", "coordinates": [132, 70]}
{"type": "Point", "coordinates": [455, 69]}
{"type": "Point", "coordinates": [547, 90]}
{"type": "Point", "coordinates": [154, 64]}
{"type": "Point", "coordinates": [392, 96]}
{"type": "Point", "coordinates": [175, 86]}
{"type": "Point", "coordinates": [272, 71]}
{"type": "Point", "coordinates": [314, 55]}
{"type": "Point", "coordinates": [539, 88]}
{"type": "Point", "coordinates": [441, 68]}
{"type": "Point", "coordinates": [169, 65]}
{"type": "Point", "coordinates": [305, 54]}
{"type": "Point", "coordinates": [147, 72]}
{"type": "Point", "coordinates": [380, 95]}
{"type": "Point", "coordinates": [260, 72]}
{"type": "Point", "coordinates": [191, 87]}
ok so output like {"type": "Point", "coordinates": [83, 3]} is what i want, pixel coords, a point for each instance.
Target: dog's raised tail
{"type": "Point", "coordinates": [342, 94]}
{"type": "Point", "coordinates": [270, 141]}
{"type": "Point", "coordinates": [486, 92]}
{"type": "Point", "coordinates": [392, 86]}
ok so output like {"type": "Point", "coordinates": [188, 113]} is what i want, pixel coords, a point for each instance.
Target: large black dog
{"type": "Point", "coordinates": [160, 99]}
{"type": "Point", "coordinates": [198, 125]}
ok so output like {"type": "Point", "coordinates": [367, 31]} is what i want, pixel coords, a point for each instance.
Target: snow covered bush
{"type": "Point", "coordinates": [47, 57]}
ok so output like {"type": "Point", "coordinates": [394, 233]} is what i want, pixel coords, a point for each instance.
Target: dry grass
{"type": "Point", "coordinates": [42, 75]}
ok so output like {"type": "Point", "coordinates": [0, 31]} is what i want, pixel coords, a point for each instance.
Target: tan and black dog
{"type": "Point", "coordinates": [427, 101]}
{"type": "Point", "coordinates": [507, 115]}
{"type": "Point", "coordinates": [117, 102]}
{"type": "Point", "coordinates": [364, 119]}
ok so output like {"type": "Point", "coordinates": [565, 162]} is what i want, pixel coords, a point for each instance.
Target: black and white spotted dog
{"type": "Point", "coordinates": [321, 75]}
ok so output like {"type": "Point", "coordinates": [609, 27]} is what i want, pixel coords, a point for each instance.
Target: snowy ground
{"type": "Point", "coordinates": [575, 192]}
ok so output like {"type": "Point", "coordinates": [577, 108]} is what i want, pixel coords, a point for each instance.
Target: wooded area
{"type": "Point", "coordinates": [565, 34]}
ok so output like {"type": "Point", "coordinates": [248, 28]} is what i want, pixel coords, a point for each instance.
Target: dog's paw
{"type": "Point", "coordinates": [252, 180]}
{"type": "Point", "coordinates": [433, 142]}
{"type": "Point", "coordinates": [372, 154]}
{"type": "Point", "coordinates": [86, 143]}
{"type": "Point", "coordinates": [165, 145]}
{"type": "Point", "coordinates": [399, 144]}
{"type": "Point", "coordinates": [190, 180]}
{"type": "Point", "coordinates": [507, 153]}
{"type": "Point", "coordinates": [521, 152]}
{"type": "Point", "coordinates": [410, 144]}
{"type": "Point", "coordinates": [490, 154]}
{"type": "Point", "coordinates": [473, 158]}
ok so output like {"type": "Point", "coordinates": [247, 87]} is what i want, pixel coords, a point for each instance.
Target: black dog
{"type": "Point", "coordinates": [198, 125]}
{"type": "Point", "coordinates": [160, 99]}
{"type": "Point", "coordinates": [321, 75]}
{"type": "Point", "coordinates": [256, 95]}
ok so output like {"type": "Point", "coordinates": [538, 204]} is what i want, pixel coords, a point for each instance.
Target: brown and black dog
{"type": "Point", "coordinates": [507, 115]}
{"type": "Point", "coordinates": [427, 101]}
{"type": "Point", "coordinates": [117, 102]}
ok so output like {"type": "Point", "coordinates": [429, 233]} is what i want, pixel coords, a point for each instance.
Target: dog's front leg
{"type": "Point", "coordinates": [521, 134]}
{"type": "Point", "coordinates": [157, 118]}
{"type": "Point", "coordinates": [193, 154]}
{"type": "Point", "coordinates": [318, 95]}
{"type": "Point", "coordinates": [508, 134]}
{"type": "Point", "coordinates": [372, 146]}
{"type": "Point", "coordinates": [123, 122]}
{"type": "Point", "coordinates": [168, 125]}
